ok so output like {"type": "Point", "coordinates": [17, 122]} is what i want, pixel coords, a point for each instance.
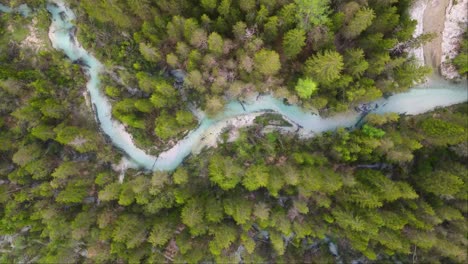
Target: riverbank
{"type": "Point", "coordinates": [447, 19]}
{"type": "Point", "coordinates": [456, 23]}
{"type": "Point", "coordinates": [235, 114]}
{"type": "Point", "coordinates": [434, 22]}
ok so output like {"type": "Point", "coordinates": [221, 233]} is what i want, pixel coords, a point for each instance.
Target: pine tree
{"type": "Point", "coordinates": [277, 242]}
{"type": "Point", "coordinates": [312, 13]}
{"type": "Point", "coordinates": [267, 62]}
{"type": "Point", "coordinates": [192, 214]}
{"type": "Point", "coordinates": [162, 232]}
{"type": "Point", "coordinates": [293, 42]}
{"type": "Point", "coordinates": [325, 67]}
{"type": "Point", "coordinates": [361, 20]}
{"type": "Point", "coordinates": [305, 88]}
{"type": "Point", "coordinates": [355, 63]}
{"type": "Point", "coordinates": [224, 235]}
{"type": "Point", "coordinates": [239, 208]}
{"type": "Point", "coordinates": [255, 177]}
{"type": "Point", "coordinates": [215, 43]}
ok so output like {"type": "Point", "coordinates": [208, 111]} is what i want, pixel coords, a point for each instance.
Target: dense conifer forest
{"type": "Point", "coordinates": [391, 190]}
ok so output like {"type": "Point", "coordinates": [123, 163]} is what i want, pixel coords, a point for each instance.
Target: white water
{"type": "Point", "coordinates": [415, 101]}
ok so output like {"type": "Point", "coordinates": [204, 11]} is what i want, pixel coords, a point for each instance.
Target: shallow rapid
{"type": "Point", "coordinates": [435, 93]}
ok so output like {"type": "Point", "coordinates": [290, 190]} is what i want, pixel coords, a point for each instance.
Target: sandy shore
{"type": "Point", "coordinates": [433, 22]}
{"type": "Point", "coordinates": [211, 137]}
{"type": "Point", "coordinates": [448, 19]}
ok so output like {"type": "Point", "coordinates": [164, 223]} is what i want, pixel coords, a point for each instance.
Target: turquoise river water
{"type": "Point", "coordinates": [434, 93]}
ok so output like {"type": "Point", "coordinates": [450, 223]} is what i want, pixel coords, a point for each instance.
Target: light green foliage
{"type": "Point", "coordinates": [110, 192]}
{"type": "Point", "coordinates": [255, 177]}
{"type": "Point", "coordinates": [144, 105]}
{"type": "Point", "coordinates": [248, 243]}
{"type": "Point", "coordinates": [325, 67]}
{"type": "Point", "coordinates": [192, 214]}
{"type": "Point", "coordinates": [441, 132]}
{"type": "Point", "coordinates": [224, 7]}
{"type": "Point", "coordinates": [223, 238]}
{"type": "Point", "coordinates": [262, 15]}
{"type": "Point", "coordinates": [441, 183]}
{"type": "Point", "coordinates": [53, 109]}
{"type": "Point", "coordinates": [43, 132]}
{"type": "Point", "coordinates": [293, 42]}
{"type": "Point", "coordinates": [406, 75]}
{"type": "Point", "coordinates": [108, 13]}
{"type": "Point", "coordinates": [215, 43]}
{"type": "Point", "coordinates": [305, 88]}
{"type": "Point", "coordinates": [224, 172]}
{"type": "Point", "coordinates": [361, 20]}
{"type": "Point", "coordinates": [172, 60]}
{"type": "Point", "coordinates": [214, 105]}
{"type": "Point", "coordinates": [149, 53]}
{"type": "Point", "coordinates": [198, 38]}
{"type": "Point", "coordinates": [130, 230]}
{"type": "Point", "coordinates": [214, 212]}
{"type": "Point", "coordinates": [184, 118]}
{"type": "Point", "coordinates": [355, 63]}
{"type": "Point", "coordinates": [271, 28]}
{"type": "Point", "coordinates": [127, 195]}
{"type": "Point", "coordinates": [247, 5]}
{"type": "Point", "coordinates": [240, 209]}
{"type": "Point", "coordinates": [261, 211]}
{"type": "Point", "coordinates": [461, 60]}
{"type": "Point", "coordinates": [378, 120]}
{"type": "Point", "coordinates": [461, 63]}
{"type": "Point", "coordinates": [112, 91]}
{"type": "Point", "coordinates": [208, 4]}
{"type": "Point", "coordinates": [311, 12]}
{"type": "Point", "coordinates": [287, 15]}
{"type": "Point", "coordinates": [372, 131]}
{"type": "Point", "coordinates": [146, 82]}
{"type": "Point", "coordinates": [180, 176]}
{"type": "Point", "coordinates": [189, 28]}
{"type": "Point", "coordinates": [162, 231]}
{"type": "Point", "coordinates": [80, 139]}
{"type": "Point", "coordinates": [74, 192]}
{"type": "Point", "coordinates": [267, 62]}
{"type": "Point", "coordinates": [164, 90]}
{"type": "Point", "coordinates": [277, 242]}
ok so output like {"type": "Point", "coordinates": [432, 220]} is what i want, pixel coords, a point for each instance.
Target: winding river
{"type": "Point", "coordinates": [434, 93]}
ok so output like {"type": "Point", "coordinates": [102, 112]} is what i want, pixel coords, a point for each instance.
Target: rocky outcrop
{"type": "Point", "coordinates": [417, 13]}
{"type": "Point", "coordinates": [456, 22]}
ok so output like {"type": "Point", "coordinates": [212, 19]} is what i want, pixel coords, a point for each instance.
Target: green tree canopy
{"type": "Point", "coordinates": [305, 88]}
{"type": "Point", "coordinates": [267, 62]}
{"type": "Point", "coordinates": [312, 12]}
{"type": "Point", "coordinates": [361, 20]}
{"type": "Point", "coordinates": [325, 67]}
{"type": "Point", "coordinates": [293, 42]}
